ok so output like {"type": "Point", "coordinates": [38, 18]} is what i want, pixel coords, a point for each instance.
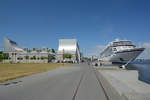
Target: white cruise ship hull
{"type": "Point", "coordinates": [124, 56]}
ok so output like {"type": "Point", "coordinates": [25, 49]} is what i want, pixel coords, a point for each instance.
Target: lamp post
{"type": "Point", "coordinates": [63, 57]}
{"type": "Point", "coordinates": [15, 56]}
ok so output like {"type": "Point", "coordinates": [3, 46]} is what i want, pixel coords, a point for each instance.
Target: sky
{"type": "Point", "coordinates": [94, 23]}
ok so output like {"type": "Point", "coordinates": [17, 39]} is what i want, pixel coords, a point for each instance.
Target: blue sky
{"type": "Point", "coordinates": [37, 23]}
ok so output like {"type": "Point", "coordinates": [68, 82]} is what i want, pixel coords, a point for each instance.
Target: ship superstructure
{"type": "Point", "coordinates": [120, 51]}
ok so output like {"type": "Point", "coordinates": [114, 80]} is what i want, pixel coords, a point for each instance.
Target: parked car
{"type": "Point", "coordinates": [68, 61]}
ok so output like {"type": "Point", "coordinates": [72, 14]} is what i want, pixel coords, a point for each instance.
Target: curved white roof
{"type": "Point", "coordinates": [67, 45]}
{"type": "Point", "coordinates": [11, 46]}
{"type": "Point", "coordinates": [17, 48]}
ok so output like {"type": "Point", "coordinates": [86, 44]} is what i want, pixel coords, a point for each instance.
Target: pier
{"type": "Point", "coordinates": [78, 82]}
{"type": "Point", "coordinates": [121, 84]}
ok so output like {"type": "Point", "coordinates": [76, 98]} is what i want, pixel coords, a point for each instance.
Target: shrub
{"type": "Point", "coordinates": [27, 57]}
{"type": "Point", "coordinates": [66, 55]}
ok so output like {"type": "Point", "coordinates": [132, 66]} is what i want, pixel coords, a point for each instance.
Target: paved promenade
{"type": "Point", "coordinates": [76, 82]}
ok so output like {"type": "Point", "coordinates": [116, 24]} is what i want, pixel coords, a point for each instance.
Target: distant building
{"type": "Point", "coordinates": [68, 46]}
{"type": "Point", "coordinates": [11, 46]}
{"type": "Point", "coordinates": [25, 55]}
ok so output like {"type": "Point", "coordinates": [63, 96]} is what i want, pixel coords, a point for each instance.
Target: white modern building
{"type": "Point", "coordinates": [25, 55]}
{"type": "Point", "coordinates": [68, 46]}
{"type": "Point", "coordinates": [11, 46]}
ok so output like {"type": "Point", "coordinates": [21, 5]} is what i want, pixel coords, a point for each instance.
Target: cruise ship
{"type": "Point", "coordinates": [120, 51]}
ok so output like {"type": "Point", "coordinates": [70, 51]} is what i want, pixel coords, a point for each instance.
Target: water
{"type": "Point", "coordinates": [143, 68]}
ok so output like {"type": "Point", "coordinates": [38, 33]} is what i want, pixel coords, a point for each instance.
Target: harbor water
{"type": "Point", "coordinates": [143, 69]}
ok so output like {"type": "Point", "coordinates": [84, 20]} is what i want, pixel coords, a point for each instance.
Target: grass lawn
{"type": "Point", "coordinates": [13, 71]}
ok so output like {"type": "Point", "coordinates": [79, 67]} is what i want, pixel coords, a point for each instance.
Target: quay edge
{"type": "Point", "coordinates": [122, 84]}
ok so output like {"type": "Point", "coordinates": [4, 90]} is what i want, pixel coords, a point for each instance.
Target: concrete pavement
{"type": "Point", "coordinates": [123, 84]}
{"type": "Point", "coordinates": [76, 82]}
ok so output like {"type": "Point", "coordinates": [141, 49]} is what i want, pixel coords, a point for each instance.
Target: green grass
{"type": "Point", "coordinates": [13, 71]}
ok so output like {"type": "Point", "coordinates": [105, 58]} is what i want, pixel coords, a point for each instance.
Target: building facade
{"type": "Point", "coordinates": [68, 46]}
{"type": "Point", "coordinates": [25, 55]}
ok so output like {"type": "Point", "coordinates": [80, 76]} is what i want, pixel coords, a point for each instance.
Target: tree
{"type": "Point", "coordinates": [45, 57]}
{"type": "Point", "coordinates": [31, 58]}
{"type": "Point", "coordinates": [53, 51]}
{"type": "Point", "coordinates": [66, 55]}
{"type": "Point", "coordinates": [1, 57]}
{"type": "Point", "coordinates": [51, 57]}
{"type": "Point", "coordinates": [20, 58]}
{"type": "Point", "coordinates": [5, 56]}
{"type": "Point", "coordinates": [29, 50]}
{"type": "Point", "coordinates": [34, 57]}
{"type": "Point", "coordinates": [27, 57]}
{"type": "Point", "coordinates": [42, 58]}
{"type": "Point", "coordinates": [1, 52]}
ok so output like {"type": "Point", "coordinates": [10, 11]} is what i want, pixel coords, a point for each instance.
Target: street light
{"type": "Point", "coordinates": [63, 57]}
